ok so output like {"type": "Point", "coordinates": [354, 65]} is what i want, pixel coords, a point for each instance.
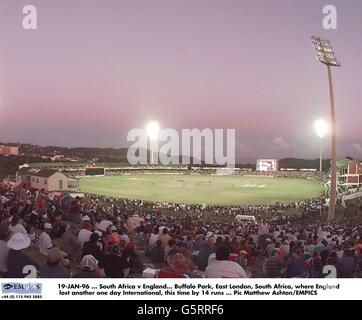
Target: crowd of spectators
{"type": "Point", "coordinates": [105, 237]}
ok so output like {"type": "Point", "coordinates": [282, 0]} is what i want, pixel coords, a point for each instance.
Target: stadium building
{"type": "Point", "coordinates": [9, 151]}
{"type": "Point", "coordinates": [47, 179]}
{"type": "Point", "coordinates": [349, 174]}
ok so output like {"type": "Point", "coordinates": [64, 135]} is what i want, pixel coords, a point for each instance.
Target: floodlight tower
{"type": "Point", "coordinates": [321, 128]}
{"type": "Point", "coordinates": [325, 55]}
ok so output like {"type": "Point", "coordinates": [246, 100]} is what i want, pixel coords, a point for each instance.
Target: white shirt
{"type": "Point", "coordinates": [212, 259]}
{"type": "Point", "coordinates": [125, 238]}
{"type": "Point", "coordinates": [276, 234]}
{"type": "Point", "coordinates": [133, 222]}
{"type": "Point", "coordinates": [309, 249]}
{"type": "Point", "coordinates": [263, 228]}
{"type": "Point", "coordinates": [225, 269]}
{"type": "Point", "coordinates": [45, 243]}
{"type": "Point", "coordinates": [3, 200]}
{"type": "Point", "coordinates": [104, 225]}
{"type": "Point", "coordinates": [286, 248]}
{"type": "Point", "coordinates": [160, 230]}
{"type": "Point", "coordinates": [84, 236]}
{"type": "Point", "coordinates": [153, 239]}
{"type": "Point", "coordinates": [18, 228]}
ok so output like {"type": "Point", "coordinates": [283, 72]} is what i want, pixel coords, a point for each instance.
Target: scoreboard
{"type": "Point", "coordinates": [94, 172]}
{"type": "Point", "coordinates": [266, 165]}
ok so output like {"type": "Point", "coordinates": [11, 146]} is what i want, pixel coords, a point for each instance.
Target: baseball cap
{"type": "Point", "coordinates": [89, 262]}
{"type": "Point", "coordinates": [85, 218]}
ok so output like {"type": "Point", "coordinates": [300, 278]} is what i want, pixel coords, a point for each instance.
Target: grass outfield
{"type": "Point", "coordinates": [200, 189]}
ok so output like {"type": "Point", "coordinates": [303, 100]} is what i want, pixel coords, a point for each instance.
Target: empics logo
{"type": "Point", "coordinates": [21, 288]}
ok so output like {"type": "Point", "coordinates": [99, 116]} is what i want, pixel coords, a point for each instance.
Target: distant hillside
{"type": "Point", "coordinates": [9, 165]}
{"type": "Point", "coordinates": [82, 155]}
{"type": "Point", "coordinates": [303, 163]}
{"type": "Point", "coordinates": [100, 155]}
{"type": "Point", "coordinates": [38, 154]}
{"type": "Point", "coordinates": [106, 154]}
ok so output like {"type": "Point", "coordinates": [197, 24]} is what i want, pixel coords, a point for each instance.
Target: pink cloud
{"type": "Point", "coordinates": [357, 147]}
{"type": "Point", "coordinates": [280, 143]}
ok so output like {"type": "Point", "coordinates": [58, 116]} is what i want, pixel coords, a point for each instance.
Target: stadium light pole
{"type": "Point", "coordinates": [325, 55]}
{"type": "Point", "coordinates": [153, 131]}
{"type": "Point", "coordinates": [321, 128]}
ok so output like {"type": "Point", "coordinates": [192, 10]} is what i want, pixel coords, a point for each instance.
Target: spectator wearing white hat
{"type": "Point", "coordinates": [16, 226]}
{"type": "Point", "coordinates": [45, 242]}
{"type": "Point", "coordinates": [86, 219]}
{"type": "Point", "coordinates": [85, 231]}
{"type": "Point", "coordinates": [90, 268]}
{"type": "Point", "coordinates": [18, 263]}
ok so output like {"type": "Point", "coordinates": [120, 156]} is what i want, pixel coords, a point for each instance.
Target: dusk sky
{"type": "Point", "coordinates": [95, 69]}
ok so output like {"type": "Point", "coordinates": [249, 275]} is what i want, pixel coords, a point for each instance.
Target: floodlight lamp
{"type": "Point", "coordinates": [321, 128]}
{"type": "Point", "coordinates": [153, 130]}
{"type": "Point", "coordinates": [325, 53]}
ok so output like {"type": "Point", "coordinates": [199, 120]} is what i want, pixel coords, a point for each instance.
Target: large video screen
{"type": "Point", "coordinates": [266, 165]}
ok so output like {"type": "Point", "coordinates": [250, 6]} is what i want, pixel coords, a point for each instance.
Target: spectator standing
{"type": "Point", "coordinates": [69, 243]}
{"type": "Point", "coordinates": [165, 237]}
{"type": "Point", "coordinates": [157, 252]}
{"type": "Point", "coordinates": [45, 242]}
{"type": "Point", "coordinates": [295, 264]}
{"type": "Point", "coordinates": [263, 232]}
{"type": "Point", "coordinates": [91, 247]}
{"type": "Point", "coordinates": [114, 263]}
{"type": "Point", "coordinates": [85, 231]}
{"type": "Point", "coordinates": [347, 264]}
{"type": "Point", "coordinates": [273, 265]}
